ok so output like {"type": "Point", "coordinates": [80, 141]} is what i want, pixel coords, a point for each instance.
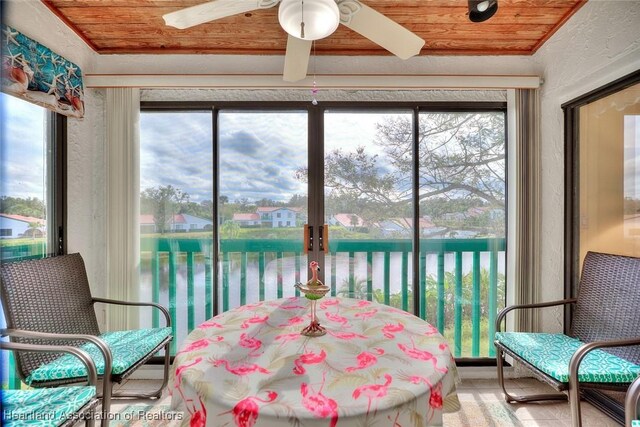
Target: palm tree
{"type": "Point", "coordinates": [359, 289]}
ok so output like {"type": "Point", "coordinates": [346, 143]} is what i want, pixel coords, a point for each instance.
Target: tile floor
{"type": "Point", "coordinates": [481, 400]}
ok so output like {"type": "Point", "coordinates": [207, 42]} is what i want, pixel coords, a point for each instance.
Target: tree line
{"type": "Point", "coordinates": [25, 206]}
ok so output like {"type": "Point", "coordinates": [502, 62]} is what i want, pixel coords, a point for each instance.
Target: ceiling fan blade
{"type": "Point", "coordinates": [296, 60]}
{"type": "Point", "coordinates": [380, 29]}
{"type": "Point", "coordinates": [210, 11]}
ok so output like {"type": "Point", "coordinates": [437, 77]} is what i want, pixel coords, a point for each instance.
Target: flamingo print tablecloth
{"type": "Point", "coordinates": [376, 365]}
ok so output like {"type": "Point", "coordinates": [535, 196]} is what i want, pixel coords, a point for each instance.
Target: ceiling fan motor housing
{"type": "Point", "coordinates": [309, 19]}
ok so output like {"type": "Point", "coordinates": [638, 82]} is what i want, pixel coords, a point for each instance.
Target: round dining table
{"type": "Point", "coordinates": [376, 365]}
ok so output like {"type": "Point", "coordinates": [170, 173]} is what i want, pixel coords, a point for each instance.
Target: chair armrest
{"type": "Point", "coordinates": [584, 349]}
{"type": "Point", "coordinates": [102, 346]}
{"type": "Point", "coordinates": [504, 311]}
{"type": "Point", "coordinates": [164, 311]}
{"type": "Point", "coordinates": [92, 374]}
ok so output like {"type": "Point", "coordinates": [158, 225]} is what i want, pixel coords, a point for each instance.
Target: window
{"type": "Point", "coordinates": [603, 191]}
{"type": "Point", "coordinates": [462, 193]}
{"type": "Point", "coordinates": [173, 268]}
{"type": "Point", "coordinates": [31, 189]}
{"type": "Point", "coordinates": [31, 180]}
{"type": "Point", "coordinates": [414, 196]}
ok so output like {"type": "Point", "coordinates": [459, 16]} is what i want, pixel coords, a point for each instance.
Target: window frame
{"type": "Point", "coordinates": [58, 186]}
{"type": "Point", "coordinates": [571, 111]}
{"type": "Point", "coordinates": [55, 145]}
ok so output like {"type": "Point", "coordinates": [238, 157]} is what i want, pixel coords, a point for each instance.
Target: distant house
{"type": "Point", "coordinates": [14, 226]}
{"type": "Point", "coordinates": [277, 217]}
{"type": "Point", "coordinates": [179, 223]}
{"type": "Point", "coordinates": [347, 220]}
{"type": "Point", "coordinates": [246, 219]}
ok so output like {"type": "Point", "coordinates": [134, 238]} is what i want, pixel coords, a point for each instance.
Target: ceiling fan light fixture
{"type": "Point", "coordinates": [320, 17]}
{"type": "Point", "coordinates": [481, 10]}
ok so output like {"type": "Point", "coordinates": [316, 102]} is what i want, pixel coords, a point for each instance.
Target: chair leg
{"type": "Point", "coordinates": [529, 398]}
{"type": "Point", "coordinates": [107, 390]}
{"type": "Point", "coordinates": [157, 393]}
{"type": "Point", "coordinates": [574, 400]}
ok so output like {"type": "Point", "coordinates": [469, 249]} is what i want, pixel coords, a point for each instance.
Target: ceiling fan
{"type": "Point", "coordinates": [308, 20]}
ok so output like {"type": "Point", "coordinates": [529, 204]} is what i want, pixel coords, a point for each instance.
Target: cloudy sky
{"type": "Point", "coordinates": [22, 151]}
{"type": "Point", "coordinates": [259, 151]}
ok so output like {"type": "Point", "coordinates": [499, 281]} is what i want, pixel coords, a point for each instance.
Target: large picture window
{"type": "Point", "coordinates": [413, 198]}
{"type": "Point", "coordinates": [31, 180]}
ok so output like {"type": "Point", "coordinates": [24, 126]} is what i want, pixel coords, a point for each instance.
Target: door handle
{"type": "Point", "coordinates": [308, 238]}
{"type": "Point", "coordinates": [323, 238]}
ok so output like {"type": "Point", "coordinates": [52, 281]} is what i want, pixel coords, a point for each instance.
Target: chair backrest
{"type": "Point", "coordinates": [608, 306]}
{"type": "Point", "coordinates": [47, 295]}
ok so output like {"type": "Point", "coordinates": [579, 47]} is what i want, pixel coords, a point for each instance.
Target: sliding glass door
{"type": "Point", "coordinates": [403, 205]}
{"type": "Point", "coordinates": [369, 205]}
{"type": "Point", "coordinates": [461, 192]}
{"type": "Point", "coordinates": [176, 217]}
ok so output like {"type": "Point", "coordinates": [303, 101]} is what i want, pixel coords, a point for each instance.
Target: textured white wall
{"type": "Point", "coordinates": [323, 95]}
{"type": "Point", "coordinates": [599, 44]}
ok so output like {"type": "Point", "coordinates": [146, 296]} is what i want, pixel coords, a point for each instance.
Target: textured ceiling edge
{"type": "Point", "coordinates": [349, 82]}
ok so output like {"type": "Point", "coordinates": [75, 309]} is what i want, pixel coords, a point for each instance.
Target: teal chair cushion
{"type": "Point", "coordinates": [635, 423]}
{"type": "Point", "coordinates": [127, 348]}
{"type": "Point", "coordinates": [43, 407]}
{"type": "Point", "coordinates": [551, 353]}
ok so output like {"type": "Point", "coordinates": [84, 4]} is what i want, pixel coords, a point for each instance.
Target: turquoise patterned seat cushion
{"type": "Point", "coordinates": [635, 423]}
{"type": "Point", "coordinates": [551, 354]}
{"type": "Point", "coordinates": [43, 407]}
{"type": "Point", "coordinates": [127, 348]}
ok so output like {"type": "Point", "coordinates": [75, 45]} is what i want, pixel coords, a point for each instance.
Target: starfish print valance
{"type": "Point", "coordinates": [33, 72]}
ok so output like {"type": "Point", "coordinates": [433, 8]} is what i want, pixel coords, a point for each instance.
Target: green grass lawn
{"type": "Point", "coordinates": [23, 241]}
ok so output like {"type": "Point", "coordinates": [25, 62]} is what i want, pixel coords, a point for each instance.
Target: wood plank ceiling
{"type": "Point", "coordinates": [519, 27]}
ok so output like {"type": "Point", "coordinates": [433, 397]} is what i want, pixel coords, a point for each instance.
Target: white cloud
{"type": "Point", "coordinates": [175, 149]}
{"type": "Point", "coordinates": [259, 151]}
{"type": "Point", "coordinates": [23, 150]}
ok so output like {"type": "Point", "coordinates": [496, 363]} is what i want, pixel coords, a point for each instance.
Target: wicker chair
{"type": "Point", "coordinates": [47, 299]}
{"type": "Point", "coordinates": [632, 405]}
{"type": "Point", "coordinates": [606, 317]}
{"type": "Point", "coordinates": [53, 407]}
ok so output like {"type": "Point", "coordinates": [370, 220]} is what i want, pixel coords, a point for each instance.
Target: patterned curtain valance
{"type": "Point", "coordinates": [33, 72]}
